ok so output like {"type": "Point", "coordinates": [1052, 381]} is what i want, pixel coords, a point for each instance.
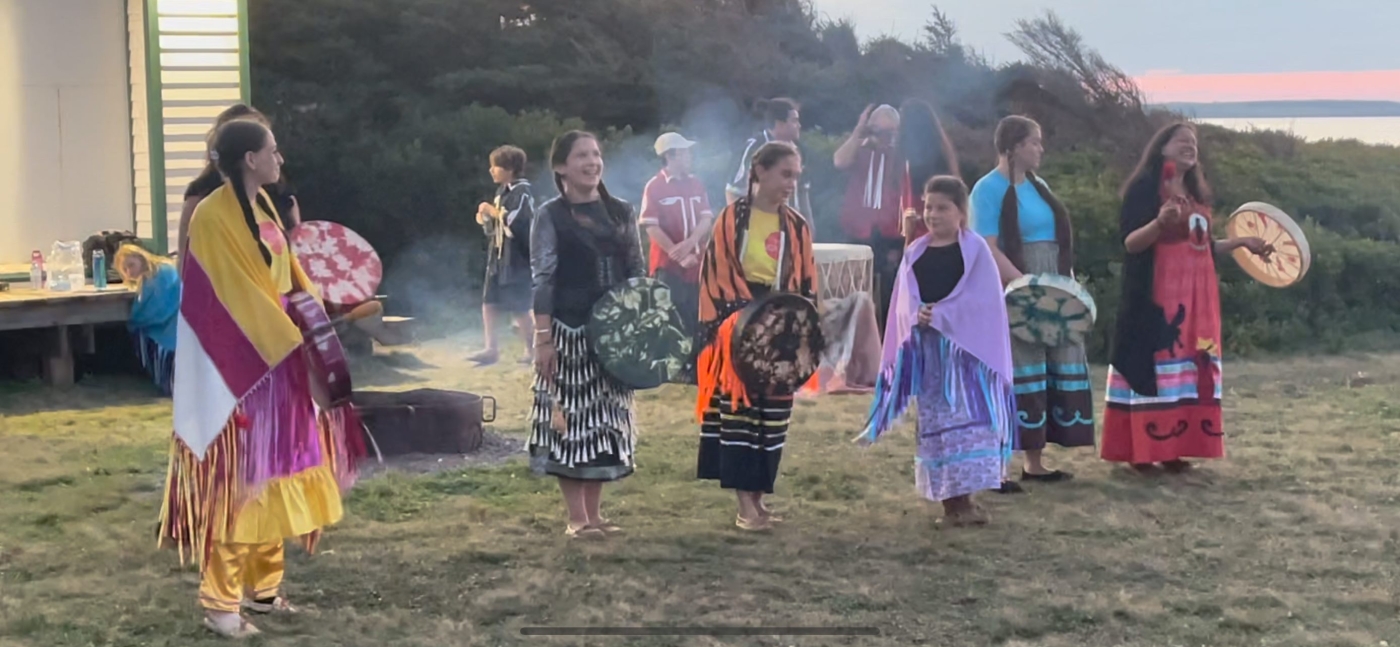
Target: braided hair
{"type": "Point", "coordinates": [233, 141]}
{"type": "Point", "coordinates": [618, 213]}
{"type": "Point", "coordinates": [1010, 133]}
{"type": "Point", "coordinates": [559, 156]}
{"type": "Point", "coordinates": [234, 112]}
{"type": "Point", "coordinates": [767, 156]}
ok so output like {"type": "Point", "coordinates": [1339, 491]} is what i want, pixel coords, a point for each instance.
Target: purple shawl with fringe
{"type": "Point", "coordinates": [972, 319]}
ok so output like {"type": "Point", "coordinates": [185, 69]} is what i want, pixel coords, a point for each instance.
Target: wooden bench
{"type": "Point", "coordinates": [66, 312]}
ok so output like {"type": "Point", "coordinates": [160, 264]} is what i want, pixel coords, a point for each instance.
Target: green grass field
{"type": "Point", "coordinates": [1293, 540]}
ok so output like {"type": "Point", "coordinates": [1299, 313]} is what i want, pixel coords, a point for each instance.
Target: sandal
{"type": "Point", "coordinates": [974, 517]}
{"type": "Point", "coordinates": [1010, 487]}
{"type": "Point", "coordinates": [760, 525]}
{"type": "Point", "coordinates": [278, 604]}
{"type": "Point", "coordinates": [607, 527]}
{"type": "Point", "coordinates": [582, 532]}
{"type": "Point", "coordinates": [230, 625]}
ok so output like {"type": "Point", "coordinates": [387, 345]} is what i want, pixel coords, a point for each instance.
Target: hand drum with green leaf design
{"type": "Point", "coordinates": [637, 334]}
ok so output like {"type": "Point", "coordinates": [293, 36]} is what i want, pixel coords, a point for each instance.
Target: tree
{"type": "Point", "coordinates": [1053, 45]}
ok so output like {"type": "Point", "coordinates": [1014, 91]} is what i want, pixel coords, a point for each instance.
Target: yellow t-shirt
{"type": "Point", "coordinates": [276, 243]}
{"type": "Point", "coordinates": [760, 258]}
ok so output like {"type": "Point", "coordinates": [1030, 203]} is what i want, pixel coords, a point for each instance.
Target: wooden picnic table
{"type": "Point", "coordinates": [65, 312]}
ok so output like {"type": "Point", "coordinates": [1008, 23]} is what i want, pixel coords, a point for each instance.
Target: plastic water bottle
{"type": "Point", "coordinates": [36, 270]}
{"type": "Point", "coordinates": [99, 269]}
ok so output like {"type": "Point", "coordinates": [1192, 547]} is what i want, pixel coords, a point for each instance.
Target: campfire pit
{"type": "Point", "coordinates": [424, 421]}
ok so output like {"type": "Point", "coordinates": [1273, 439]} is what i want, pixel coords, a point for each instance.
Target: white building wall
{"type": "Point", "coordinates": [65, 123]}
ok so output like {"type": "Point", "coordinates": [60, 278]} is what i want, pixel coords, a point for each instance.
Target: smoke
{"type": "Point", "coordinates": [438, 279]}
{"type": "Point", "coordinates": [718, 126]}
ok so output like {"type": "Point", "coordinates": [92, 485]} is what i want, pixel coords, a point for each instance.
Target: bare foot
{"type": "Point", "coordinates": [484, 357]}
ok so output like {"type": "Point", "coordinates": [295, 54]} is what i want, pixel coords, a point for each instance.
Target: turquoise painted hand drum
{"type": "Point", "coordinates": [1049, 309]}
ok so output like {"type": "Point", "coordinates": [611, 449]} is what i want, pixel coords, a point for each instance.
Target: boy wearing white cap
{"type": "Point", "coordinates": [677, 217]}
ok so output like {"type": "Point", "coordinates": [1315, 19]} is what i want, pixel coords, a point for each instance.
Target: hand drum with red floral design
{"type": "Point", "coordinates": [1288, 262]}
{"type": "Point", "coordinates": [342, 264]}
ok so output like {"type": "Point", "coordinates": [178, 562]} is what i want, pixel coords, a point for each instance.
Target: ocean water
{"type": "Point", "coordinates": [1371, 130]}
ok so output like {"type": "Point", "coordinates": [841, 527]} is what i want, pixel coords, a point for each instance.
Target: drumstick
{"type": "Point", "coordinates": [366, 309]}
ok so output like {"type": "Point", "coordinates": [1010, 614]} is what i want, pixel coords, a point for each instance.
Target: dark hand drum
{"type": "Point", "coordinates": [777, 344]}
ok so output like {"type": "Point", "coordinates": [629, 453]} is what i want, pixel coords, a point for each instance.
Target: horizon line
{"type": "Point", "coordinates": [1170, 86]}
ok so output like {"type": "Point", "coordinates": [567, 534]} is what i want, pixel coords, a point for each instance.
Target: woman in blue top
{"type": "Point", "coordinates": [1029, 231]}
{"type": "Point", "coordinates": [155, 314]}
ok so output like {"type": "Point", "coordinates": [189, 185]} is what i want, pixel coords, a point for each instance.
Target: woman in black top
{"type": "Point", "coordinates": [582, 243]}
{"type": "Point", "coordinates": [283, 196]}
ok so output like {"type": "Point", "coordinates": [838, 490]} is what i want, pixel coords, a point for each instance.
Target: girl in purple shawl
{"type": "Point", "coordinates": [946, 345]}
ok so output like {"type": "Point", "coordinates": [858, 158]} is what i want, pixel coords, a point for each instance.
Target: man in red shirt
{"type": "Point", "coordinates": [870, 213]}
{"type": "Point", "coordinates": [677, 217]}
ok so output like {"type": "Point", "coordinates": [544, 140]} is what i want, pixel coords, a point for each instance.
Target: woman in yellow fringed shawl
{"type": "Point", "coordinates": [254, 461]}
{"type": "Point", "coordinates": [759, 245]}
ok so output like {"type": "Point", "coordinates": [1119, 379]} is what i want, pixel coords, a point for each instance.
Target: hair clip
{"type": "Point", "coordinates": [213, 156]}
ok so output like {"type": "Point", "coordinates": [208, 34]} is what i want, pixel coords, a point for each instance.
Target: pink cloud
{"type": "Point", "coordinates": [1375, 85]}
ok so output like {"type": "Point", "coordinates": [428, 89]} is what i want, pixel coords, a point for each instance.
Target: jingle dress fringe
{"type": "Point", "coordinates": [157, 361]}
{"type": "Point", "coordinates": [276, 471]}
{"type": "Point", "coordinates": [599, 434]}
{"type": "Point", "coordinates": [966, 422]}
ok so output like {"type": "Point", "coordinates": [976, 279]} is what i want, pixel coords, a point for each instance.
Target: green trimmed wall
{"type": "Point", "coordinates": [189, 61]}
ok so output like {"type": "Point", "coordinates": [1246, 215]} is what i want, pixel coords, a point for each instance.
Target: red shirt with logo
{"type": "Point", "coordinates": [677, 205]}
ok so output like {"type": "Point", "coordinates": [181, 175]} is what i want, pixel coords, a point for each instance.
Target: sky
{"type": "Point", "coordinates": [1187, 50]}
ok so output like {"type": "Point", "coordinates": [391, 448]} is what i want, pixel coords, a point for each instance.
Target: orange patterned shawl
{"type": "Point", "coordinates": [724, 291]}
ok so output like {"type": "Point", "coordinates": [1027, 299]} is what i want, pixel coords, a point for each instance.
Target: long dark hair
{"type": "Point", "coordinates": [1152, 161]}
{"type": "Point", "coordinates": [232, 142]}
{"type": "Point", "coordinates": [1011, 131]}
{"type": "Point", "coordinates": [559, 156]}
{"type": "Point", "coordinates": [924, 144]}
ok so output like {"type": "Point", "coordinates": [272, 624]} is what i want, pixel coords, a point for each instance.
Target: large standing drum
{"type": "Point", "coordinates": [843, 269]}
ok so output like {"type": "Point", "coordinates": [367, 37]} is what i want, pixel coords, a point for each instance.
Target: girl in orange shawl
{"type": "Point", "coordinates": [759, 245]}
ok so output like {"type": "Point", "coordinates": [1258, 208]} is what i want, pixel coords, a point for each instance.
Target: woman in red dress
{"type": "Point", "coordinates": [1164, 376]}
